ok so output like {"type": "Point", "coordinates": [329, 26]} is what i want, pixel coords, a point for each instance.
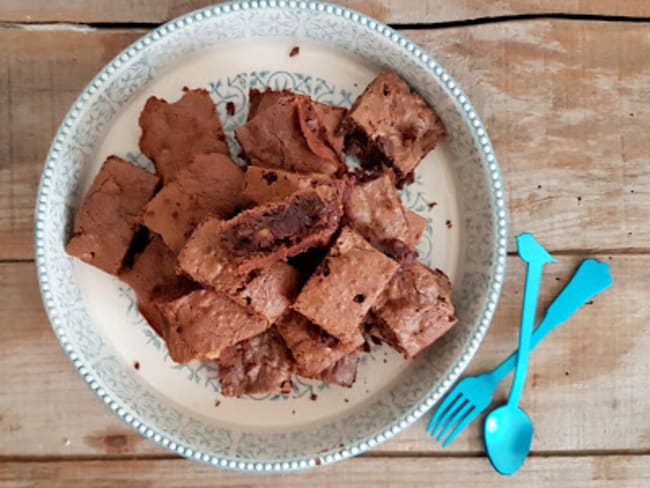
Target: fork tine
{"type": "Point", "coordinates": [458, 415]}
{"type": "Point", "coordinates": [469, 416]}
{"type": "Point", "coordinates": [444, 407]}
{"type": "Point", "coordinates": [450, 415]}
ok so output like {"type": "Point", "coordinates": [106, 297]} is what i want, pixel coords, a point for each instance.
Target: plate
{"type": "Point", "coordinates": [228, 49]}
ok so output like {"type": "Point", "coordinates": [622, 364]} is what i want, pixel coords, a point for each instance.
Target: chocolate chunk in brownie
{"type": "Point", "coordinates": [374, 209]}
{"type": "Point", "coordinates": [210, 186]}
{"type": "Point", "coordinates": [264, 185]}
{"type": "Point", "coordinates": [255, 366]}
{"type": "Point", "coordinates": [352, 268]}
{"type": "Point", "coordinates": [268, 291]}
{"type": "Point", "coordinates": [314, 349]}
{"type": "Point", "coordinates": [174, 132]}
{"type": "Point", "coordinates": [414, 310]}
{"type": "Point", "coordinates": [391, 127]}
{"type": "Point", "coordinates": [288, 131]}
{"type": "Point", "coordinates": [343, 372]}
{"type": "Point", "coordinates": [203, 323]}
{"type": "Point", "coordinates": [107, 220]}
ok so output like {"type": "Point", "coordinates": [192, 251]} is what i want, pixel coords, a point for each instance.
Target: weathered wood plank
{"type": "Point", "coordinates": [537, 472]}
{"type": "Point", "coordinates": [392, 11]}
{"type": "Point", "coordinates": [588, 386]}
{"type": "Point", "coordinates": [566, 104]}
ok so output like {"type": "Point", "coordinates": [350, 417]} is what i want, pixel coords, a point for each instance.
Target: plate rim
{"type": "Point", "coordinates": [497, 270]}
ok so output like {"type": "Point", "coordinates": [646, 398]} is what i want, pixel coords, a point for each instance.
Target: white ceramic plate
{"type": "Point", "coordinates": [229, 49]}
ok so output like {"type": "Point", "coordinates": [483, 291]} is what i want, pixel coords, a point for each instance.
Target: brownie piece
{"type": "Point", "coordinates": [314, 349]}
{"type": "Point", "coordinates": [343, 372]}
{"type": "Point", "coordinates": [417, 226]}
{"type": "Point", "coordinates": [259, 365]}
{"type": "Point", "coordinates": [414, 310]}
{"type": "Point", "coordinates": [374, 209]}
{"type": "Point", "coordinates": [264, 185]}
{"type": "Point", "coordinates": [290, 134]}
{"type": "Point", "coordinates": [203, 323]}
{"type": "Point", "coordinates": [345, 285]}
{"type": "Point", "coordinates": [107, 220]}
{"type": "Point", "coordinates": [391, 127]}
{"type": "Point", "coordinates": [268, 291]}
{"type": "Point", "coordinates": [174, 132]}
{"type": "Point", "coordinates": [210, 186]}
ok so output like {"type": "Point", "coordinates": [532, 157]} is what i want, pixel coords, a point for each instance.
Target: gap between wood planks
{"type": "Point", "coordinates": [411, 26]}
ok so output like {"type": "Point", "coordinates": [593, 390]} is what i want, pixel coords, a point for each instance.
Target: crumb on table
{"type": "Point", "coordinates": [230, 108]}
{"type": "Point", "coordinates": [295, 50]}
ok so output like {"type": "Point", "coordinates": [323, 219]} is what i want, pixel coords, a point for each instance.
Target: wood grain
{"type": "Point", "coordinates": [566, 103]}
{"type": "Point", "coordinates": [587, 388]}
{"type": "Point", "coordinates": [392, 11]}
{"type": "Point", "coordinates": [544, 472]}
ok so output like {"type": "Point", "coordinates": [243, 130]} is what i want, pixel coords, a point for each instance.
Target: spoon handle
{"type": "Point", "coordinates": [591, 278]}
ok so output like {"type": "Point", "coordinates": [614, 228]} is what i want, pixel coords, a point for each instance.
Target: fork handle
{"type": "Point", "coordinates": [591, 278]}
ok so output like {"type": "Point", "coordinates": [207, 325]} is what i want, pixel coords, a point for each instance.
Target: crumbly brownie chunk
{"type": "Point", "coordinates": [390, 125]}
{"type": "Point", "coordinates": [264, 185]}
{"type": "Point", "coordinates": [345, 286]}
{"type": "Point", "coordinates": [173, 132]}
{"type": "Point", "coordinates": [210, 186]}
{"type": "Point", "coordinates": [107, 219]}
{"type": "Point", "coordinates": [314, 349]}
{"type": "Point", "coordinates": [268, 291]}
{"type": "Point", "coordinates": [375, 210]}
{"type": "Point", "coordinates": [203, 323]}
{"type": "Point", "coordinates": [414, 310]}
{"type": "Point", "coordinates": [343, 372]}
{"type": "Point", "coordinates": [259, 365]}
{"type": "Point", "coordinates": [290, 134]}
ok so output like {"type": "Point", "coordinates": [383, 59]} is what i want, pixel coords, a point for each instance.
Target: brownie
{"type": "Point", "coordinates": [289, 133]}
{"type": "Point", "coordinates": [345, 285]}
{"type": "Point", "coordinates": [314, 349]}
{"type": "Point", "coordinates": [374, 209]}
{"type": "Point", "coordinates": [174, 132]}
{"type": "Point", "coordinates": [268, 291]}
{"type": "Point", "coordinates": [343, 372]}
{"type": "Point", "coordinates": [107, 220]}
{"type": "Point", "coordinates": [259, 365]}
{"type": "Point", "coordinates": [203, 323]}
{"type": "Point", "coordinates": [414, 310]}
{"type": "Point", "coordinates": [264, 185]}
{"type": "Point", "coordinates": [210, 186]}
{"type": "Point", "coordinates": [390, 127]}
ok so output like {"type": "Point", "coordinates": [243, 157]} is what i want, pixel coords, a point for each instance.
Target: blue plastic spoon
{"type": "Point", "coordinates": [508, 431]}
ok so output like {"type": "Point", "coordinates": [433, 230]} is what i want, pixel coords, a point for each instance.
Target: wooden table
{"type": "Point", "coordinates": [566, 98]}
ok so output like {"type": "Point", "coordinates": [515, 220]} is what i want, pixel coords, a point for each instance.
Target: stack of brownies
{"type": "Point", "coordinates": [282, 268]}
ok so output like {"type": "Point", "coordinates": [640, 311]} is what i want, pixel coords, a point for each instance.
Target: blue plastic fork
{"type": "Point", "coordinates": [472, 395]}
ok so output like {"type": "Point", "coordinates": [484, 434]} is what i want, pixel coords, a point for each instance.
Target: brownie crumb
{"type": "Point", "coordinates": [230, 108]}
{"type": "Point", "coordinates": [295, 50]}
{"type": "Point", "coordinates": [217, 403]}
{"type": "Point", "coordinates": [293, 412]}
{"type": "Point", "coordinates": [557, 278]}
{"type": "Point", "coordinates": [185, 89]}
{"type": "Point", "coordinates": [313, 397]}
{"type": "Point", "coordinates": [318, 461]}
{"type": "Point", "coordinates": [590, 302]}
{"type": "Point", "coordinates": [448, 224]}
{"type": "Point", "coordinates": [579, 198]}
{"type": "Point", "coordinates": [270, 177]}
{"type": "Point", "coordinates": [359, 298]}
{"type": "Point", "coordinates": [356, 84]}
{"type": "Point", "coordinates": [432, 204]}
{"type": "Point", "coordinates": [376, 340]}
{"type": "Point", "coordinates": [385, 360]}
{"type": "Point", "coordinates": [539, 187]}
{"type": "Point", "coordinates": [346, 400]}
{"type": "Point", "coordinates": [136, 365]}
{"type": "Point", "coordinates": [566, 373]}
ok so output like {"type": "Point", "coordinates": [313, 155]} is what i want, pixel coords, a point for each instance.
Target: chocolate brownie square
{"type": "Point", "coordinates": [174, 132]}
{"type": "Point", "coordinates": [264, 185]}
{"type": "Point", "coordinates": [391, 127]}
{"type": "Point", "coordinates": [375, 210]}
{"type": "Point", "coordinates": [203, 323]}
{"type": "Point", "coordinates": [343, 372]}
{"type": "Point", "coordinates": [290, 134]}
{"type": "Point", "coordinates": [414, 310]}
{"type": "Point", "coordinates": [210, 186]}
{"type": "Point", "coordinates": [345, 285]}
{"type": "Point", "coordinates": [314, 349]}
{"type": "Point", "coordinates": [107, 220]}
{"type": "Point", "coordinates": [268, 291]}
{"type": "Point", "coordinates": [255, 366]}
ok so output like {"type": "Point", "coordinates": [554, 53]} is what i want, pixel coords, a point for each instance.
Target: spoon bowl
{"type": "Point", "coordinates": [508, 434]}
